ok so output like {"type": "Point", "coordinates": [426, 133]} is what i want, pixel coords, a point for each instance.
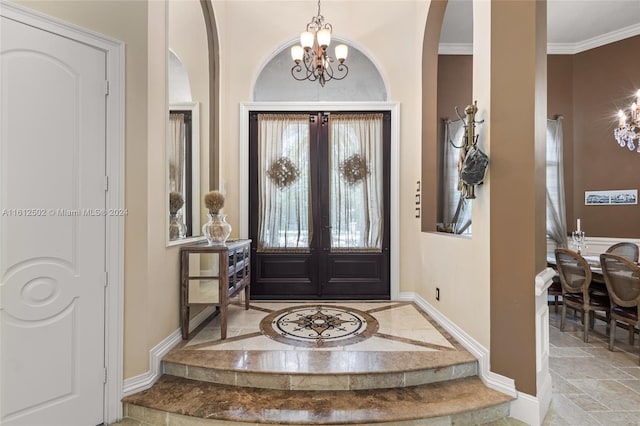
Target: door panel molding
{"type": "Point", "coordinates": [114, 197]}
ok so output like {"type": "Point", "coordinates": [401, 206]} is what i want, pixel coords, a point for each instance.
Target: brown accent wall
{"type": "Point", "coordinates": [587, 89]}
{"type": "Point", "coordinates": [517, 132]}
{"type": "Point", "coordinates": [560, 102]}
{"type": "Point", "coordinates": [455, 84]}
{"type": "Point", "coordinates": [605, 80]}
{"type": "Point", "coordinates": [455, 89]}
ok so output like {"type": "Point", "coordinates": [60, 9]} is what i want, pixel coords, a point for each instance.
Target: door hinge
{"type": "Point", "coordinates": [106, 87]}
{"type": "Point", "coordinates": [106, 183]}
{"type": "Point", "coordinates": [106, 278]}
{"type": "Point", "coordinates": [105, 375]}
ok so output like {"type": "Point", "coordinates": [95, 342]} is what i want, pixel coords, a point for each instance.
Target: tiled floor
{"type": "Point", "coordinates": [401, 327]}
{"type": "Point", "coordinates": [591, 385]}
{"type": "Point", "coordinates": [402, 336]}
{"type": "Point", "coordinates": [391, 364]}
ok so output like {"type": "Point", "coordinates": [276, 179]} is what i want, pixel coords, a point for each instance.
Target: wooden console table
{"type": "Point", "coordinates": [211, 275]}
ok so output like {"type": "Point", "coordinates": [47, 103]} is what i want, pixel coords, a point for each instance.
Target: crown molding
{"type": "Point", "coordinates": [555, 48]}
{"type": "Point", "coordinates": [611, 37]}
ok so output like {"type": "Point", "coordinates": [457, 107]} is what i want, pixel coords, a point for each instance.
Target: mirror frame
{"type": "Point", "coordinates": [194, 108]}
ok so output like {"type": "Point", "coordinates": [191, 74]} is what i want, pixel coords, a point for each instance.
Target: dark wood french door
{"type": "Point", "coordinates": [319, 205]}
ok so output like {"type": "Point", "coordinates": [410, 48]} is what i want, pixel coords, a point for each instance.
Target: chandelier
{"type": "Point", "coordinates": [628, 133]}
{"type": "Point", "coordinates": [312, 60]}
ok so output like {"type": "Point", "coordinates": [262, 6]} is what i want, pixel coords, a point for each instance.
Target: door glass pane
{"type": "Point", "coordinates": [355, 169]}
{"type": "Point", "coordinates": [284, 221]}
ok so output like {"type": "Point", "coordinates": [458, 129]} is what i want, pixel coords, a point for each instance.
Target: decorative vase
{"type": "Point", "coordinates": [217, 230]}
{"type": "Point", "coordinates": [177, 229]}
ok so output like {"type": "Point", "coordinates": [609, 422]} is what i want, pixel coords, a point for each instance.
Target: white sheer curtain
{"type": "Point", "coordinates": [356, 192]}
{"type": "Point", "coordinates": [176, 153]}
{"type": "Point", "coordinates": [456, 210]}
{"type": "Point", "coordinates": [556, 209]}
{"type": "Point", "coordinates": [284, 221]}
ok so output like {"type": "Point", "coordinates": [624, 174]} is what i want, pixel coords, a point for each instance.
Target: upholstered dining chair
{"type": "Point", "coordinates": [629, 251]}
{"type": "Point", "coordinates": [575, 278]}
{"type": "Point", "coordinates": [622, 278]}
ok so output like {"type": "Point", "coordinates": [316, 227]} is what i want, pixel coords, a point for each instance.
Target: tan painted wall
{"type": "Point", "coordinates": [188, 40]}
{"type": "Point", "coordinates": [151, 270]}
{"type": "Point", "coordinates": [388, 31]}
{"type": "Point", "coordinates": [458, 266]}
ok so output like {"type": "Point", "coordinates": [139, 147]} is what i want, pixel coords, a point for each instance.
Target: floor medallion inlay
{"type": "Point", "coordinates": [319, 326]}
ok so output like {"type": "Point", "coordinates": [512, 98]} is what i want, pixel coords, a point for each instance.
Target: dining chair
{"type": "Point", "coordinates": [555, 290]}
{"type": "Point", "coordinates": [622, 278]}
{"type": "Point", "coordinates": [575, 278]}
{"type": "Point", "coordinates": [629, 251]}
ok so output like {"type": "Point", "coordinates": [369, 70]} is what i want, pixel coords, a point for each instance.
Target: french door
{"type": "Point", "coordinates": [319, 198]}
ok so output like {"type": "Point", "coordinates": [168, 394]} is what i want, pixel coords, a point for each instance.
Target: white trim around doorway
{"type": "Point", "coordinates": [393, 107]}
{"type": "Point", "coordinates": [114, 296]}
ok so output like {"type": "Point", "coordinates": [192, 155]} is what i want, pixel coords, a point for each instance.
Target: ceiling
{"type": "Point", "coordinates": [573, 25]}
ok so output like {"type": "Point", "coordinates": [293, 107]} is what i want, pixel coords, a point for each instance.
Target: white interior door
{"type": "Point", "coordinates": [52, 227]}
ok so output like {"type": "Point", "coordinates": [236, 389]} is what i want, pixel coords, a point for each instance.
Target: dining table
{"type": "Point", "coordinates": [593, 261]}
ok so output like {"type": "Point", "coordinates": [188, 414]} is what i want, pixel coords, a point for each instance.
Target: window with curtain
{"type": "Point", "coordinates": [177, 153]}
{"type": "Point", "coordinates": [284, 221]}
{"type": "Point", "coordinates": [356, 192]}
{"type": "Point", "coordinates": [556, 208]}
{"type": "Point", "coordinates": [455, 210]}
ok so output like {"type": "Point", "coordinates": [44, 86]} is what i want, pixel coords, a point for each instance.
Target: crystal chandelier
{"type": "Point", "coordinates": [628, 132]}
{"type": "Point", "coordinates": [311, 58]}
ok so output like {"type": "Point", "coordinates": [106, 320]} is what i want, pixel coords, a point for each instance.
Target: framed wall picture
{"type": "Point", "coordinates": [608, 198]}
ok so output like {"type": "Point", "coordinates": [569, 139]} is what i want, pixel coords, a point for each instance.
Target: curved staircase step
{"type": "Point", "coordinates": [297, 370]}
{"type": "Point", "coordinates": [180, 401]}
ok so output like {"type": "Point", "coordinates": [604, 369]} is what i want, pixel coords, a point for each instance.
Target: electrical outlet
{"type": "Point", "coordinates": [437, 293]}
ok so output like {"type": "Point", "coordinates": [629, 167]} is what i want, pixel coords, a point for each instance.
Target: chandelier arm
{"type": "Point", "coordinates": [341, 68]}
{"type": "Point", "coordinates": [307, 74]}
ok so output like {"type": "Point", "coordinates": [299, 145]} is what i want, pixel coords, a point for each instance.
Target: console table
{"type": "Point", "coordinates": [211, 275]}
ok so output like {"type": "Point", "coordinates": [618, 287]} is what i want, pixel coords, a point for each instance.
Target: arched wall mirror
{"type": "Point", "coordinates": [455, 69]}
{"type": "Point", "coordinates": [189, 162]}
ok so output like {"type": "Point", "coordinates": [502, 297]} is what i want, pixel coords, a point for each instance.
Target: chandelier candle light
{"type": "Point", "coordinates": [578, 237]}
{"type": "Point", "coordinates": [313, 63]}
{"type": "Point", "coordinates": [628, 133]}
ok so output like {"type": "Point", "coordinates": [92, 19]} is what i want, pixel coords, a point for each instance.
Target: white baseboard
{"type": "Point", "coordinates": [531, 409]}
{"type": "Point", "coordinates": [494, 381]}
{"type": "Point", "coordinates": [146, 380]}
{"type": "Point", "coordinates": [527, 408]}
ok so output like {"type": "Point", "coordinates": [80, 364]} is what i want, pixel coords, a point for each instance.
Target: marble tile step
{"type": "Point", "coordinates": [297, 370]}
{"type": "Point", "coordinates": [174, 401]}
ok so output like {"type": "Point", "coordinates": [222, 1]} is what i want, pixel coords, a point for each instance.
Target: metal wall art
{"type": "Point", "coordinates": [473, 163]}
